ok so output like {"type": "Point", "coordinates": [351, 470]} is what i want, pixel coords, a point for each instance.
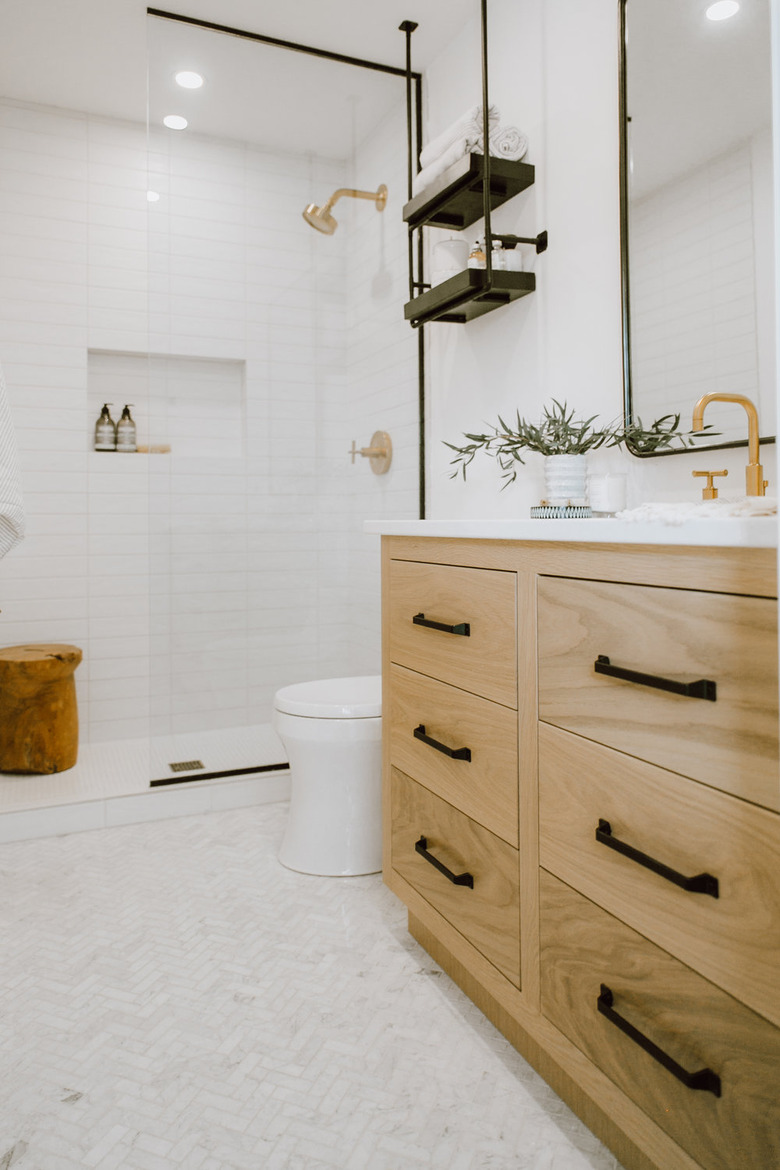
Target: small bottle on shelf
{"type": "Point", "coordinates": [477, 255]}
{"type": "Point", "coordinates": [498, 257]}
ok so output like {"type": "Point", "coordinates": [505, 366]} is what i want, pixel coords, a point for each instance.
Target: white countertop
{"type": "Point", "coordinates": [753, 532]}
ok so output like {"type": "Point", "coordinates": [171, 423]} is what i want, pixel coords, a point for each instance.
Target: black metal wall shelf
{"type": "Point", "coordinates": [468, 295]}
{"type": "Point", "coordinates": [455, 200]}
{"type": "Point", "coordinates": [467, 191]}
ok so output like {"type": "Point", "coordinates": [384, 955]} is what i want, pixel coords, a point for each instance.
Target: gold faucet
{"type": "Point", "coordinates": [754, 473]}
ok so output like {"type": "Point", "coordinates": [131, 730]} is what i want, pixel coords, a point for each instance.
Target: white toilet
{"type": "Point", "coordinates": [332, 731]}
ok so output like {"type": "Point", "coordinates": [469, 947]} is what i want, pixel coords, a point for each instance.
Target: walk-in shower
{"type": "Point", "coordinates": [225, 558]}
{"type": "Point", "coordinates": [320, 217]}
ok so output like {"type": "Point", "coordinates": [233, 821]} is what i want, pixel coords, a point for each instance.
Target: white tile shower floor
{"type": "Point", "coordinates": [110, 784]}
{"type": "Point", "coordinates": [173, 998]}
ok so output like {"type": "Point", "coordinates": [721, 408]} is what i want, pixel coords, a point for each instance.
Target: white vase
{"type": "Point", "coordinates": [564, 479]}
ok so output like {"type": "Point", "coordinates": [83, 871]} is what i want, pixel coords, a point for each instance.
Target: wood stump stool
{"type": "Point", "coordinates": [39, 723]}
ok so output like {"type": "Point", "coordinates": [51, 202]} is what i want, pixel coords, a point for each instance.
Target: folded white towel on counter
{"type": "Point", "coordinates": [505, 142]}
{"type": "Point", "coordinates": [468, 125]}
{"type": "Point", "coordinates": [724, 508]}
{"type": "Point", "coordinates": [11, 507]}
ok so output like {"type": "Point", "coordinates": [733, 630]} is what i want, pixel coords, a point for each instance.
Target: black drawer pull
{"type": "Point", "coordinates": [463, 628]}
{"type": "Point", "coordinates": [457, 879]}
{"type": "Point", "coordinates": [701, 883]}
{"type": "Point", "coordinates": [453, 753]}
{"type": "Point", "coordinates": [704, 1079]}
{"type": "Point", "coordinates": [703, 688]}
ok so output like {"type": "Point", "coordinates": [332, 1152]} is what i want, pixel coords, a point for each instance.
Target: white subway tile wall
{"type": "Point", "coordinates": [693, 292]}
{"type": "Point", "coordinates": [198, 582]}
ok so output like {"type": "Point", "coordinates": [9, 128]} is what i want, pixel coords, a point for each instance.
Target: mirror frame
{"type": "Point", "coordinates": [625, 291]}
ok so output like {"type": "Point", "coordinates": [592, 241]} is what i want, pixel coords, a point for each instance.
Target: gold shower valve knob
{"type": "Point", "coordinates": [379, 454]}
{"type": "Point", "coordinates": [709, 491]}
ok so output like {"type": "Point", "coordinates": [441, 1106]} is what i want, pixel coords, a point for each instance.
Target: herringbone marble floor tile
{"type": "Point", "coordinates": [171, 997]}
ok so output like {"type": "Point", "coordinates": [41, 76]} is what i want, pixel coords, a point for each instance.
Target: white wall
{"type": "Point", "coordinates": [553, 72]}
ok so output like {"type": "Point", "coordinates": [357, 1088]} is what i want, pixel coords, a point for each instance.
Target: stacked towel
{"type": "Point", "coordinates": [465, 137]}
{"type": "Point", "coordinates": [11, 510]}
{"type": "Point", "coordinates": [468, 125]}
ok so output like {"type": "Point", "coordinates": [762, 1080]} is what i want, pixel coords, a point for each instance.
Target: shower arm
{"type": "Point", "coordinates": [379, 197]}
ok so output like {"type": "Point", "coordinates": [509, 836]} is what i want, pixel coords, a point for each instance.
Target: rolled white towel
{"type": "Point", "coordinates": [11, 507]}
{"type": "Point", "coordinates": [469, 124]}
{"type": "Point", "coordinates": [508, 142]}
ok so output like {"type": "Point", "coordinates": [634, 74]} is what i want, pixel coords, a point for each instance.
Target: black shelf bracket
{"type": "Point", "coordinates": [510, 241]}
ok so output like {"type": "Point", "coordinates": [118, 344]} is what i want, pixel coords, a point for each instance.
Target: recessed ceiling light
{"type": "Point", "coordinates": [722, 10]}
{"type": "Point", "coordinates": [189, 80]}
{"type": "Point", "coordinates": [152, 196]}
{"type": "Point", "coordinates": [175, 122]}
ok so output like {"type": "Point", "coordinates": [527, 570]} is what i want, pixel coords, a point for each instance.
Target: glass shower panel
{"type": "Point", "coordinates": [261, 372]}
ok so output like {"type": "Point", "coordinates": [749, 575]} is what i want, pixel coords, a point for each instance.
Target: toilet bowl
{"type": "Point", "coordinates": [332, 732]}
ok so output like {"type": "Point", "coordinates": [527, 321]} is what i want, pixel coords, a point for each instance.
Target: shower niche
{"type": "Point", "coordinates": [187, 406]}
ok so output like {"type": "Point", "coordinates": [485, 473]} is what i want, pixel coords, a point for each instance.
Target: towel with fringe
{"type": "Point", "coordinates": [468, 125]}
{"type": "Point", "coordinates": [505, 142]}
{"type": "Point", "coordinates": [11, 507]}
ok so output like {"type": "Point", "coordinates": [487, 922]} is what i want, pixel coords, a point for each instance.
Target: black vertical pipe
{"type": "Point", "coordinates": [486, 149]}
{"type": "Point", "coordinates": [628, 409]}
{"type": "Point", "coordinates": [407, 27]}
{"type": "Point", "coordinates": [414, 144]}
{"type": "Point", "coordinates": [421, 330]}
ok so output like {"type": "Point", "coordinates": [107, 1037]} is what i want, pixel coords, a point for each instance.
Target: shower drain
{"type": "Point", "coordinates": [187, 766]}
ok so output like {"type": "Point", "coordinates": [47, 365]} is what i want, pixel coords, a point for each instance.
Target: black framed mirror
{"type": "Point", "coordinates": [697, 212]}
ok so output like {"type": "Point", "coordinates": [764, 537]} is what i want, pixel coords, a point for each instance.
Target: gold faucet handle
{"type": "Point", "coordinates": [709, 491]}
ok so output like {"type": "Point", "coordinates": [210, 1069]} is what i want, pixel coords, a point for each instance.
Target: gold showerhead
{"type": "Point", "coordinates": [320, 217]}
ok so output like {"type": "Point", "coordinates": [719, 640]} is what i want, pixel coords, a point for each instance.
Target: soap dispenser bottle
{"type": "Point", "coordinates": [105, 430]}
{"type": "Point", "coordinates": [125, 431]}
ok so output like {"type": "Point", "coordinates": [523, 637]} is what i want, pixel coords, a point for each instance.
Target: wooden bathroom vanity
{"type": "Point", "coordinates": [582, 815]}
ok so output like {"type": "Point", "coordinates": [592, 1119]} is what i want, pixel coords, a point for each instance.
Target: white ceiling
{"type": "Point", "coordinates": [92, 55]}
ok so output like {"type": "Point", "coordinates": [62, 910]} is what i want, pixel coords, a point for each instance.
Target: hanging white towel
{"type": "Point", "coordinates": [11, 507]}
{"type": "Point", "coordinates": [468, 125]}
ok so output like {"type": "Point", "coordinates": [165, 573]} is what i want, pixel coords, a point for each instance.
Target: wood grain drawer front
{"type": "Point", "coordinates": [691, 831]}
{"type": "Point", "coordinates": [483, 600]}
{"type": "Point", "coordinates": [480, 777]}
{"type": "Point", "coordinates": [675, 635]}
{"type": "Point", "coordinates": [688, 1020]}
{"type": "Point", "coordinates": [487, 914]}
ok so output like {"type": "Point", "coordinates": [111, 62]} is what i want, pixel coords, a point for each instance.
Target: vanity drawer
{"type": "Point", "coordinates": [734, 938]}
{"type": "Point", "coordinates": [584, 952]}
{"type": "Point", "coordinates": [480, 778]}
{"type": "Point", "coordinates": [479, 605]}
{"type": "Point", "coordinates": [486, 913]}
{"type": "Point", "coordinates": [672, 637]}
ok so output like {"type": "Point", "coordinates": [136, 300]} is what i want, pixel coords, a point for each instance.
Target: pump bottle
{"type": "Point", "coordinates": [105, 430]}
{"type": "Point", "coordinates": [125, 431]}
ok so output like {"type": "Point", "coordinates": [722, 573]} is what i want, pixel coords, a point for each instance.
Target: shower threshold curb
{"type": "Point", "coordinates": [188, 796]}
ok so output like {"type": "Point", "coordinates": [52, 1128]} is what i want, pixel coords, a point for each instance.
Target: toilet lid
{"type": "Point", "coordinates": [333, 698]}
